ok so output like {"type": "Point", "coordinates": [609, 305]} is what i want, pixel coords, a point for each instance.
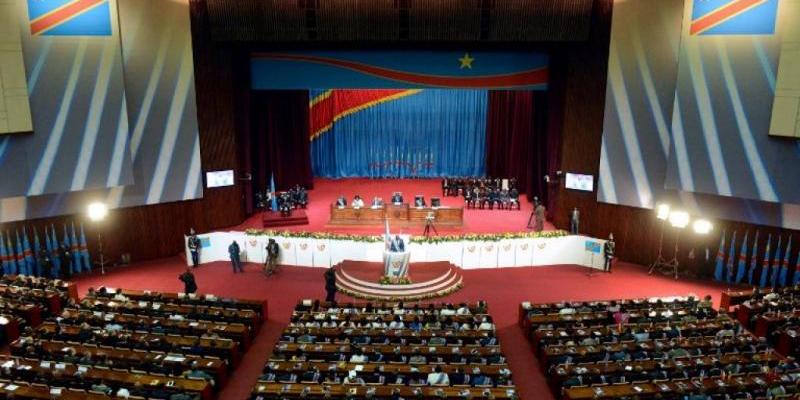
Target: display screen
{"type": "Point", "coordinates": [580, 182]}
{"type": "Point", "coordinates": [219, 178]}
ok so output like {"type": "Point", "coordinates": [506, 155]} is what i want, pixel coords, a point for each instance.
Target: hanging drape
{"type": "Point", "coordinates": [279, 139]}
{"type": "Point", "coordinates": [401, 133]}
{"type": "Point", "coordinates": [517, 139]}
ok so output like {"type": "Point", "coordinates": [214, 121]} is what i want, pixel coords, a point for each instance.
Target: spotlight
{"type": "Point", "coordinates": [662, 211]}
{"type": "Point", "coordinates": [97, 211]}
{"type": "Point", "coordinates": [679, 219]}
{"type": "Point", "coordinates": [702, 226]}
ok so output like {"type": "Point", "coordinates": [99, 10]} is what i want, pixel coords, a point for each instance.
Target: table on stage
{"type": "Point", "coordinates": [403, 214]}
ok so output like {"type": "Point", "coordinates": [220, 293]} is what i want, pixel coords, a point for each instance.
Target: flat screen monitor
{"type": "Point", "coordinates": [580, 182]}
{"type": "Point", "coordinates": [219, 178]}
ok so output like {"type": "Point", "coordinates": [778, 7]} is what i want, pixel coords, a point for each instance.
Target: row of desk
{"type": "Point", "coordinates": [398, 215]}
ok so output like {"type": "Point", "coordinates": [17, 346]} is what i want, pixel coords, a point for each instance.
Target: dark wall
{"type": "Point", "coordinates": [578, 88]}
{"type": "Point", "coordinates": [155, 231]}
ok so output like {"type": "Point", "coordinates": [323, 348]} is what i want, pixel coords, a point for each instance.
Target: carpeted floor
{"type": "Point", "coordinates": [504, 289]}
{"type": "Point", "coordinates": [326, 191]}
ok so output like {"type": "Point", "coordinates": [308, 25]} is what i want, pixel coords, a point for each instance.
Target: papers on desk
{"type": "Point", "coordinates": [11, 388]}
{"type": "Point", "coordinates": [8, 364]}
{"type": "Point", "coordinates": [43, 365]}
{"type": "Point", "coordinates": [194, 324]}
{"type": "Point", "coordinates": [359, 368]}
{"type": "Point", "coordinates": [175, 358]}
{"type": "Point", "coordinates": [55, 391]}
{"type": "Point", "coordinates": [82, 368]}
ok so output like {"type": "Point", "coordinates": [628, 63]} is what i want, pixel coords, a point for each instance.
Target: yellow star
{"type": "Point", "coordinates": [466, 61]}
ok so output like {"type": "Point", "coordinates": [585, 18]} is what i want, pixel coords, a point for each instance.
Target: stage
{"type": "Point", "coordinates": [326, 191]}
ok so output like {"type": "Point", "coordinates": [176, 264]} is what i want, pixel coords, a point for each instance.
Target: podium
{"type": "Point", "coordinates": [395, 263]}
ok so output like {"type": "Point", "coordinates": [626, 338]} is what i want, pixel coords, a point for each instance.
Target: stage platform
{"type": "Point", "coordinates": [271, 219]}
{"type": "Point", "coordinates": [326, 191]}
{"type": "Point", "coordinates": [428, 280]}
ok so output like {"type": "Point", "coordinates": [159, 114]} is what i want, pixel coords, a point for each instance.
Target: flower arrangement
{"type": "Point", "coordinates": [426, 296]}
{"type": "Point", "coordinates": [395, 280]}
{"type": "Point", "coordinates": [484, 237]}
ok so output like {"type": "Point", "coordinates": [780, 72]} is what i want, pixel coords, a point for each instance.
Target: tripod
{"type": "Point", "coordinates": [660, 260]}
{"type": "Point", "coordinates": [428, 227]}
{"type": "Point", "coordinates": [669, 267]}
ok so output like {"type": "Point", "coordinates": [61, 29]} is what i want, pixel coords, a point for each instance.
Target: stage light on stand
{"type": "Point", "coordinates": [97, 213]}
{"type": "Point", "coordinates": [679, 219]}
{"type": "Point", "coordinates": [702, 226]}
{"type": "Point", "coordinates": [662, 211]}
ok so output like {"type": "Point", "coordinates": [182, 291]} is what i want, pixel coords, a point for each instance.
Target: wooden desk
{"type": "Point", "coordinates": [126, 379]}
{"type": "Point", "coordinates": [398, 214]}
{"type": "Point", "coordinates": [709, 385]}
{"type": "Point", "coordinates": [385, 391]}
{"type": "Point", "coordinates": [734, 297]}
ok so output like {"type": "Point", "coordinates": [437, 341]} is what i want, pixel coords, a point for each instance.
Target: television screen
{"type": "Point", "coordinates": [580, 182]}
{"type": "Point", "coordinates": [219, 178]}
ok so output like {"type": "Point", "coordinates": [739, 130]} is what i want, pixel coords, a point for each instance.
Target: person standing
{"type": "Point", "coordinates": [608, 250]}
{"type": "Point", "coordinates": [189, 284]}
{"type": "Point", "coordinates": [46, 265]}
{"type": "Point", "coordinates": [65, 260]}
{"type": "Point", "coordinates": [194, 247]}
{"type": "Point", "coordinates": [236, 261]}
{"type": "Point", "coordinates": [330, 285]}
{"type": "Point", "coordinates": [540, 213]}
{"type": "Point", "coordinates": [574, 221]}
{"type": "Point", "coordinates": [273, 252]}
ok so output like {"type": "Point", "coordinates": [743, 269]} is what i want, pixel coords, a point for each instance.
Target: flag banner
{"type": "Point", "coordinates": [720, 259]}
{"type": "Point", "coordinates": [3, 255]}
{"type": "Point", "coordinates": [274, 202]}
{"type": "Point", "coordinates": [776, 264]}
{"type": "Point", "coordinates": [765, 264]}
{"type": "Point", "coordinates": [733, 17]}
{"type": "Point", "coordinates": [785, 263]}
{"type": "Point", "coordinates": [10, 257]}
{"type": "Point", "coordinates": [742, 260]}
{"type": "Point", "coordinates": [84, 248]}
{"type": "Point", "coordinates": [731, 256]}
{"type": "Point", "coordinates": [30, 256]}
{"type": "Point", "coordinates": [21, 267]}
{"type": "Point", "coordinates": [56, 251]}
{"type": "Point", "coordinates": [73, 248]}
{"type": "Point", "coordinates": [399, 69]}
{"type": "Point", "coordinates": [37, 249]}
{"type": "Point", "coordinates": [753, 261]}
{"type": "Point", "coordinates": [70, 17]}
{"type": "Point", "coordinates": [797, 271]}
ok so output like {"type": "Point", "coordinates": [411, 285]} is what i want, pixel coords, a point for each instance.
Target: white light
{"type": "Point", "coordinates": [662, 212]}
{"type": "Point", "coordinates": [97, 211]}
{"type": "Point", "coordinates": [702, 226]}
{"type": "Point", "coordinates": [679, 219]}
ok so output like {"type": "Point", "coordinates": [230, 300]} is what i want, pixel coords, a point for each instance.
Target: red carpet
{"type": "Point", "coordinates": [326, 191]}
{"type": "Point", "coordinates": [504, 289]}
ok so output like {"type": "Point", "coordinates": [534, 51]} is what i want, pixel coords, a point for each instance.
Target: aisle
{"type": "Point", "coordinates": [504, 289]}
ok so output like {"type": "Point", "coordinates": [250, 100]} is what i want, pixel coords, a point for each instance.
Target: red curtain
{"type": "Point", "coordinates": [517, 139]}
{"type": "Point", "coordinates": [279, 141]}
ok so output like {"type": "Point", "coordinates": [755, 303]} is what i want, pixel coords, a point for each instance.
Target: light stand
{"type": "Point", "coordinates": [660, 260]}
{"type": "Point", "coordinates": [97, 213]}
{"type": "Point", "coordinates": [429, 226]}
{"type": "Point", "coordinates": [678, 220]}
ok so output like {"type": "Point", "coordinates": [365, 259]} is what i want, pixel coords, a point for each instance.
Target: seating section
{"type": "Point", "coordinates": [25, 301]}
{"type": "Point", "coordinates": [133, 344]}
{"type": "Point", "coordinates": [387, 350]}
{"type": "Point", "coordinates": [771, 314]}
{"type": "Point", "coordinates": [669, 348]}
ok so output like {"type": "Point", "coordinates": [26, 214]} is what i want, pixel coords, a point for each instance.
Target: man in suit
{"type": "Point", "coordinates": [608, 250]}
{"type": "Point", "coordinates": [330, 285]}
{"type": "Point", "coordinates": [273, 251]}
{"type": "Point", "coordinates": [574, 221]}
{"type": "Point", "coordinates": [189, 284]}
{"type": "Point", "coordinates": [341, 202]}
{"type": "Point", "coordinates": [377, 202]}
{"type": "Point", "coordinates": [194, 247]}
{"type": "Point", "coordinates": [234, 252]}
{"type": "Point", "coordinates": [397, 245]}
{"type": "Point", "coordinates": [419, 202]}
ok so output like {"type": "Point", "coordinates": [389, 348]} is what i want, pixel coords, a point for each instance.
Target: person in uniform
{"type": "Point", "coordinates": [540, 213]}
{"type": "Point", "coordinates": [608, 250]}
{"type": "Point", "coordinates": [574, 221]}
{"type": "Point", "coordinates": [194, 247]}
{"type": "Point", "coordinates": [330, 284]}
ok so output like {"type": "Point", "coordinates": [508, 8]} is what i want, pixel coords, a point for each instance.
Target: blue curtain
{"type": "Point", "coordinates": [433, 133]}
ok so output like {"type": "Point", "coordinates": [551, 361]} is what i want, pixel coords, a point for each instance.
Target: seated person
{"type": "Point", "coordinates": [437, 377]}
{"type": "Point", "coordinates": [358, 202]}
{"type": "Point", "coordinates": [341, 202]}
{"type": "Point", "coordinates": [397, 198]}
{"type": "Point", "coordinates": [419, 201]}
{"type": "Point", "coordinates": [377, 202]}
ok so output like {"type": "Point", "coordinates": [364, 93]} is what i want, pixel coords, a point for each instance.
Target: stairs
{"type": "Point", "coordinates": [430, 280]}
